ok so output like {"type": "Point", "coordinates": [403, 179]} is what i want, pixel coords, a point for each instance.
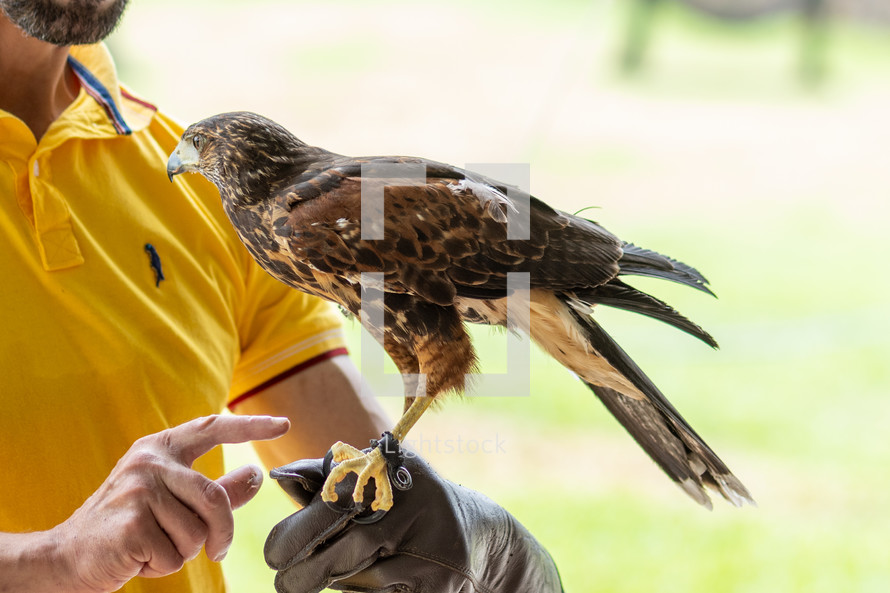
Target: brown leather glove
{"type": "Point", "coordinates": [438, 538]}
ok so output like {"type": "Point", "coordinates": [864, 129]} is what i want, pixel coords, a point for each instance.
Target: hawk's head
{"type": "Point", "coordinates": [242, 153]}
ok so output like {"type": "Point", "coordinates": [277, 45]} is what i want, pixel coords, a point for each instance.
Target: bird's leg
{"type": "Point", "coordinates": [411, 416]}
{"type": "Point", "coordinates": [373, 464]}
{"type": "Point", "coordinates": [435, 363]}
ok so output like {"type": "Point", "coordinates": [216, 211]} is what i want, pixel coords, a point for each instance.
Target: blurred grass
{"type": "Point", "coordinates": [714, 154]}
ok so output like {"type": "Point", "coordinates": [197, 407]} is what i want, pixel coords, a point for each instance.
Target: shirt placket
{"type": "Point", "coordinates": [56, 240]}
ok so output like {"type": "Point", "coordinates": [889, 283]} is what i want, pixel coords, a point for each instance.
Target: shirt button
{"type": "Point", "coordinates": [36, 169]}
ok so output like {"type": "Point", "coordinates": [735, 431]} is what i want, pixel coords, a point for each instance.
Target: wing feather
{"type": "Point", "coordinates": [442, 238]}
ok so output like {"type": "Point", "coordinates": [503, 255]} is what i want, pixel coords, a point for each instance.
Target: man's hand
{"type": "Point", "coordinates": [438, 538]}
{"type": "Point", "coordinates": [153, 512]}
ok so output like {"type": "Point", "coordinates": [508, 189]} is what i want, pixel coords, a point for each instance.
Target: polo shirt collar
{"type": "Point", "coordinates": [101, 94]}
{"type": "Point", "coordinates": [119, 111]}
{"type": "Point", "coordinates": [103, 108]}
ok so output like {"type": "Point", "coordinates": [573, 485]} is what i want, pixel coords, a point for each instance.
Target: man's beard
{"type": "Point", "coordinates": [73, 23]}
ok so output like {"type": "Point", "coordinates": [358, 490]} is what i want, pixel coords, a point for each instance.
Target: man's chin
{"type": "Point", "coordinates": [63, 23]}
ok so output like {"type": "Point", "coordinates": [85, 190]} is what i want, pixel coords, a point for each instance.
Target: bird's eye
{"type": "Point", "coordinates": [198, 141]}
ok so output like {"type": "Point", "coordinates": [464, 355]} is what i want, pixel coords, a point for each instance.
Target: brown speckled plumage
{"type": "Point", "coordinates": [445, 256]}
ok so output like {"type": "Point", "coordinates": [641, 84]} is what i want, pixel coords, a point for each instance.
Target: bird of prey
{"type": "Point", "coordinates": [444, 256]}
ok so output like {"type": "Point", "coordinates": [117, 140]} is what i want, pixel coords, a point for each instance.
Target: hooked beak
{"type": "Point", "coordinates": [184, 158]}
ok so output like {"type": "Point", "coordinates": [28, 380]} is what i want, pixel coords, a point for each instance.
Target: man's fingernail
{"type": "Point", "coordinates": [221, 556]}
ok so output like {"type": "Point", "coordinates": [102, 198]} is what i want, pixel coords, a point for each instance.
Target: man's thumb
{"type": "Point", "coordinates": [242, 484]}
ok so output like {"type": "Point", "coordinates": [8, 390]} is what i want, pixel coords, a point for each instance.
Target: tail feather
{"type": "Point", "coordinates": [659, 428]}
{"type": "Point", "coordinates": [621, 296]}
{"type": "Point", "coordinates": [636, 261]}
{"type": "Point", "coordinates": [657, 438]}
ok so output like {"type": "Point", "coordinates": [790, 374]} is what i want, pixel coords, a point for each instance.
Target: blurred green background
{"type": "Point", "coordinates": [715, 150]}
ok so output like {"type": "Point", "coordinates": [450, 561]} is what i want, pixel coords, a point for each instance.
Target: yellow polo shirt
{"type": "Point", "coordinates": [95, 351]}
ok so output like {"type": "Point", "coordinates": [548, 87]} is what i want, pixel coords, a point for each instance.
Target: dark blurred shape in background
{"type": "Point", "coordinates": [815, 19]}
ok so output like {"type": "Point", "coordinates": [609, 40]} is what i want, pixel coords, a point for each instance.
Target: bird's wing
{"type": "Point", "coordinates": [444, 236]}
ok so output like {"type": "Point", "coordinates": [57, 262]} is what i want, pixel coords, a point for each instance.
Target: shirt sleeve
{"type": "Point", "coordinates": [281, 329]}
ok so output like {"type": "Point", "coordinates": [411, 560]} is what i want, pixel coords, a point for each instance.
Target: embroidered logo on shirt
{"type": "Point", "coordinates": [155, 261]}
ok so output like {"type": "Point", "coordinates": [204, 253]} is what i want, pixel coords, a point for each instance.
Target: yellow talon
{"type": "Point", "coordinates": [343, 451]}
{"type": "Point", "coordinates": [366, 466]}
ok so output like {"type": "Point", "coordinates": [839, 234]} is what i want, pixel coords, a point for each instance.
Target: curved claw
{"type": "Point", "coordinates": [378, 470]}
{"type": "Point", "coordinates": [343, 451]}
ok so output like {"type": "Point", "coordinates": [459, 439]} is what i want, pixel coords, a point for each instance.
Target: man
{"type": "Point", "coordinates": [130, 309]}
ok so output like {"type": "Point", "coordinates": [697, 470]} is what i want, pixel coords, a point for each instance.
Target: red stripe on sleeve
{"type": "Point", "coordinates": [288, 373]}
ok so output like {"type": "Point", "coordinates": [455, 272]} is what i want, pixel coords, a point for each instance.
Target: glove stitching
{"type": "Point", "coordinates": [422, 555]}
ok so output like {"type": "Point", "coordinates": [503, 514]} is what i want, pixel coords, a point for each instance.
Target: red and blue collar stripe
{"type": "Point", "coordinates": [97, 91]}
